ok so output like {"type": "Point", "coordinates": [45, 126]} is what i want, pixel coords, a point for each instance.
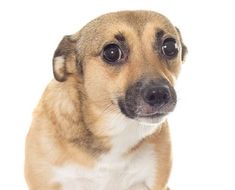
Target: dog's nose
{"type": "Point", "coordinates": [156, 96]}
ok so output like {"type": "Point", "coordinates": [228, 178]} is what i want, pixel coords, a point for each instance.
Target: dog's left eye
{"type": "Point", "coordinates": [170, 48]}
{"type": "Point", "coordinates": [112, 53]}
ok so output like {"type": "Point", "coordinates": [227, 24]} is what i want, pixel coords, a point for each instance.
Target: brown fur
{"type": "Point", "coordinates": [69, 122]}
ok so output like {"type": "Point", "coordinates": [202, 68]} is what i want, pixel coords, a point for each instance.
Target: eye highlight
{"type": "Point", "coordinates": [169, 48]}
{"type": "Point", "coordinates": [112, 53]}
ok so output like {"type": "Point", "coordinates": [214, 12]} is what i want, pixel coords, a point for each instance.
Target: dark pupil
{"type": "Point", "coordinates": [169, 47]}
{"type": "Point", "coordinates": [112, 53]}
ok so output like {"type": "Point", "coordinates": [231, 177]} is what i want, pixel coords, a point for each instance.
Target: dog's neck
{"type": "Point", "coordinates": [126, 136]}
{"type": "Point", "coordinates": [114, 146]}
{"type": "Point", "coordinates": [132, 136]}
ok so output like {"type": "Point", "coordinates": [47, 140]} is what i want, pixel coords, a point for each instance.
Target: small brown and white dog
{"type": "Point", "coordinates": [101, 124]}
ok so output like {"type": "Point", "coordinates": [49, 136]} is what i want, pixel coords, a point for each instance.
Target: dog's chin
{"type": "Point", "coordinates": [151, 119]}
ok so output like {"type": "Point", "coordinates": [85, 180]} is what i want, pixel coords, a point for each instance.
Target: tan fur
{"type": "Point", "coordinates": [69, 122]}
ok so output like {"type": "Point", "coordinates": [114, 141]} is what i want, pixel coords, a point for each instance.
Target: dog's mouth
{"type": "Point", "coordinates": [143, 111]}
{"type": "Point", "coordinates": [153, 115]}
{"type": "Point", "coordinates": [148, 103]}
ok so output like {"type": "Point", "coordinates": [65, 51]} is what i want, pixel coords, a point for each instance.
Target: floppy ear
{"type": "Point", "coordinates": [65, 59]}
{"type": "Point", "coordinates": [184, 48]}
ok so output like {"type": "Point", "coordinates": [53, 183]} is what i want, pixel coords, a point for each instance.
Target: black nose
{"type": "Point", "coordinates": [156, 96]}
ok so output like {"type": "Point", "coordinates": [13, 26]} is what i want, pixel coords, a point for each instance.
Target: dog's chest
{"type": "Point", "coordinates": [110, 172]}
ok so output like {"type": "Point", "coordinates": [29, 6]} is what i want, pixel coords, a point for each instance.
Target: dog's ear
{"type": "Point", "coordinates": [65, 59]}
{"type": "Point", "coordinates": [183, 46]}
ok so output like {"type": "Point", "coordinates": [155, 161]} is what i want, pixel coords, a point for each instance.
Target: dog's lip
{"type": "Point", "coordinates": [152, 115]}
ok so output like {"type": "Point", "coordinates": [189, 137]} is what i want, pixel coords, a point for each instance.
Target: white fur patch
{"type": "Point", "coordinates": [116, 174]}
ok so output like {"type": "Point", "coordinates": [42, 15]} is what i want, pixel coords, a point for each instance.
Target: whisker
{"type": "Point", "coordinates": [109, 108]}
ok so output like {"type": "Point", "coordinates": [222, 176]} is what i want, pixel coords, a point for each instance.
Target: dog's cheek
{"type": "Point", "coordinates": [95, 81]}
{"type": "Point", "coordinates": [175, 68]}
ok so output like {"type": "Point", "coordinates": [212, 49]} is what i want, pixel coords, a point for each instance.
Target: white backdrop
{"type": "Point", "coordinates": [202, 126]}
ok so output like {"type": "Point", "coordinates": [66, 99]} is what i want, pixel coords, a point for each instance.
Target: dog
{"type": "Point", "coordinates": [101, 123]}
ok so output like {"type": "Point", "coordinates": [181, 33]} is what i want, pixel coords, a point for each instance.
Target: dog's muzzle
{"type": "Point", "coordinates": [148, 99]}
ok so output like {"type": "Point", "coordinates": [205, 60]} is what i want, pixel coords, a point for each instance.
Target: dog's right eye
{"type": "Point", "coordinates": [170, 48]}
{"type": "Point", "coordinates": [112, 53]}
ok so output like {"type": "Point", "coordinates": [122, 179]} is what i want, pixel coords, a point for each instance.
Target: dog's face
{"type": "Point", "coordinates": [126, 63]}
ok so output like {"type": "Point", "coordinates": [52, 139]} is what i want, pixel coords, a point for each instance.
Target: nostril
{"type": "Point", "coordinates": [152, 97]}
{"type": "Point", "coordinates": [163, 94]}
{"type": "Point", "coordinates": [157, 96]}
{"type": "Point", "coordinates": [166, 97]}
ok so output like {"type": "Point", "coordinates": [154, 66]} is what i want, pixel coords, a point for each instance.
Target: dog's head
{"type": "Point", "coordinates": [126, 64]}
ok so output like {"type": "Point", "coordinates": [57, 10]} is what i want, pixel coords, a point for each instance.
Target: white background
{"type": "Point", "coordinates": [202, 126]}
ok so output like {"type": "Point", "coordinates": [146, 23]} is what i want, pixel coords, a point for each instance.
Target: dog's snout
{"type": "Point", "coordinates": [149, 98]}
{"type": "Point", "coordinates": [156, 96]}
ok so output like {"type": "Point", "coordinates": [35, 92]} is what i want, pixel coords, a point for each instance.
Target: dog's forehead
{"type": "Point", "coordinates": [105, 27]}
{"type": "Point", "coordinates": [134, 19]}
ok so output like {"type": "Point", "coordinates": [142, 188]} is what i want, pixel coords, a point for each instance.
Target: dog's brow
{"type": "Point", "coordinates": [120, 37]}
{"type": "Point", "coordinates": [158, 38]}
{"type": "Point", "coordinates": [160, 33]}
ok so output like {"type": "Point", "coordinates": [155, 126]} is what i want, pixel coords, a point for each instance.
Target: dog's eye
{"type": "Point", "coordinates": [112, 53]}
{"type": "Point", "coordinates": [170, 48]}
